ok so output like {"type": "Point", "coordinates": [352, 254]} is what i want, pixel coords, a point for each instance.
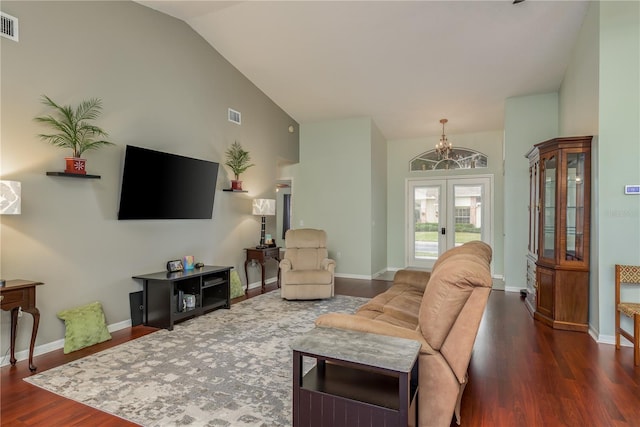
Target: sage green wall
{"type": "Point", "coordinates": [163, 87]}
{"type": "Point", "coordinates": [378, 201]}
{"type": "Point", "coordinates": [332, 190]}
{"type": "Point", "coordinates": [618, 164]}
{"type": "Point", "coordinates": [578, 95]}
{"type": "Point", "coordinates": [578, 100]}
{"type": "Point", "coordinates": [400, 153]}
{"type": "Point", "coordinates": [600, 95]}
{"type": "Point", "coordinates": [527, 121]}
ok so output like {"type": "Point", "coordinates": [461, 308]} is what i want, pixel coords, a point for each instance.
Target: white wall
{"type": "Point", "coordinates": [163, 87]}
{"type": "Point", "coordinates": [527, 121]}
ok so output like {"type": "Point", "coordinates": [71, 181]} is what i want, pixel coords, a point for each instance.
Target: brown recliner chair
{"type": "Point", "coordinates": [306, 271]}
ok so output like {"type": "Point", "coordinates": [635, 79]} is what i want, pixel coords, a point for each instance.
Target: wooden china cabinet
{"type": "Point", "coordinates": [559, 225]}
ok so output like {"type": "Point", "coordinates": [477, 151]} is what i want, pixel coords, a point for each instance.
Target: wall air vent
{"type": "Point", "coordinates": [9, 26]}
{"type": "Point", "coordinates": [235, 116]}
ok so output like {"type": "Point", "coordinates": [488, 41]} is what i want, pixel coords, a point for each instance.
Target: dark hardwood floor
{"type": "Point", "coordinates": [522, 373]}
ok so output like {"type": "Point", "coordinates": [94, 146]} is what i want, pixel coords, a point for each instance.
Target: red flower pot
{"type": "Point", "coordinates": [75, 165]}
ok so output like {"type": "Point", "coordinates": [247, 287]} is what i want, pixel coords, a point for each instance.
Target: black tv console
{"type": "Point", "coordinates": [164, 294]}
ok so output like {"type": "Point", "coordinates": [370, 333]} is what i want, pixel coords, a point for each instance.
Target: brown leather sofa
{"type": "Point", "coordinates": [442, 310]}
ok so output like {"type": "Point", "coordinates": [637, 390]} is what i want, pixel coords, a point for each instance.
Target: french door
{"type": "Point", "coordinates": [444, 213]}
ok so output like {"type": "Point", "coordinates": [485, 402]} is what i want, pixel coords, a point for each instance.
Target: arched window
{"type": "Point", "coordinates": [459, 158]}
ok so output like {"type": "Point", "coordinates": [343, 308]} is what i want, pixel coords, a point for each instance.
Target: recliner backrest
{"type": "Point", "coordinates": [306, 248]}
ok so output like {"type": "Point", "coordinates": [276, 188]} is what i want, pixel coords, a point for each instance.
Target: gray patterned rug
{"type": "Point", "coordinates": [227, 368]}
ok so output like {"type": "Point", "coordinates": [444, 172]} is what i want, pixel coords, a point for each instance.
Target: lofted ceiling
{"type": "Point", "coordinates": [405, 64]}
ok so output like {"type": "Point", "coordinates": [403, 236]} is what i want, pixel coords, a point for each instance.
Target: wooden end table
{"type": "Point", "coordinates": [16, 295]}
{"type": "Point", "coordinates": [360, 379]}
{"type": "Point", "coordinates": [262, 255]}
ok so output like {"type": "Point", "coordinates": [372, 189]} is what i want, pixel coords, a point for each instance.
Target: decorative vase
{"type": "Point", "coordinates": [236, 185]}
{"type": "Point", "coordinates": [75, 165]}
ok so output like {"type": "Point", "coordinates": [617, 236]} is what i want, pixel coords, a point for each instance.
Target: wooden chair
{"type": "Point", "coordinates": [628, 275]}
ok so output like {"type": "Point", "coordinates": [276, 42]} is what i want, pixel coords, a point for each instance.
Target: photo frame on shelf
{"type": "Point", "coordinates": [174, 265]}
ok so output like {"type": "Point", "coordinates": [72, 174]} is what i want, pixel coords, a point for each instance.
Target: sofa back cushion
{"type": "Point", "coordinates": [449, 287]}
{"type": "Point", "coordinates": [474, 247]}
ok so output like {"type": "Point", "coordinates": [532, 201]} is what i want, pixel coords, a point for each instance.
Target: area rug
{"type": "Point", "coordinates": [227, 368]}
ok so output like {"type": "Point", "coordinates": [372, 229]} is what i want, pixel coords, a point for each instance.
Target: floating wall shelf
{"type": "Point", "coordinates": [73, 175]}
{"type": "Point", "coordinates": [231, 190]}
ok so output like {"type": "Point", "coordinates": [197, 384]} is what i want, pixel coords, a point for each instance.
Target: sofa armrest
{"type": "Point", "coordinates": [328, 264]}
{"type": "Point", "coordinates": [364, 324]}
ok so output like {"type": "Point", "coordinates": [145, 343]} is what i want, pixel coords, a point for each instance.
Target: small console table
{"type": "Point", "coordinates": [262, 255]}
{"type": "Point", "coordinates": [16, 295]}
{"type": "Point", "coordinates": [163, 294]}
{"type": "Point", "coordinates": [360, 379]}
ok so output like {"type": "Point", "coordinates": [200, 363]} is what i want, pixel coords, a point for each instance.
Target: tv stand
{"type": "Point", "coordinates": [210, 286]}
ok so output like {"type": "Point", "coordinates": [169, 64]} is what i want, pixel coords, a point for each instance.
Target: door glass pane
{"type": "Point", "coordinates": [467, 213]}
{"type": "Point", "coordinates": [575, 207]}
{"type": "Point", "coordinates": [549, 208]}
{"type": "Point", "coordinates": [426, 217]}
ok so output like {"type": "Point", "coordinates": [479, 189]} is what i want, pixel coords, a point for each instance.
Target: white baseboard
{"type": "Point", "coordinates": [609, 339]}
{"type": "Point", "coordinates": [56, 345]}
{"type": "Point", "coordinates": [258, 284]}
{"type": "Point", "coordinates": [353, 276]}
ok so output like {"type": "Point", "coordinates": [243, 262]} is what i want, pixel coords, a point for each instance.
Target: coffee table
{"type": "Point", "coordinates": [359, 379]}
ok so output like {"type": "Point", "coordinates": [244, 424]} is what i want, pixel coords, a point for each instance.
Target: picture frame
{"type": "Point", "coordinates": [174, 265]}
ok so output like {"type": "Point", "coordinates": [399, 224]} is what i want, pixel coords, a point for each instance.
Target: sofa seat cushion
{"type": "Point", "coordinates": [399, 305]}
{"type": "Point", "coordinates": [309, 277]}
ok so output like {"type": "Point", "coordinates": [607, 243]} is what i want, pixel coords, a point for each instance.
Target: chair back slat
{"type": "Point", "coordinates": [628, 274]}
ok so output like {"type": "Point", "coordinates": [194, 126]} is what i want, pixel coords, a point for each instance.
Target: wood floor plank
{"type": "Point", "coordinates": [522, 374]}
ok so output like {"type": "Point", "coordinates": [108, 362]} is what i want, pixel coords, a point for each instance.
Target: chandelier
{"type": "Point", "coordinates": [443, 148]}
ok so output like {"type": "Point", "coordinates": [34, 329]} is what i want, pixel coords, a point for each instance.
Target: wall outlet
{"type": "Point", "coordinates": [338, 254]}
{"type": "Point", "coordinates": [301, 223]}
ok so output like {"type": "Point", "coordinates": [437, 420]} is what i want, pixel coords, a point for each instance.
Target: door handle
{"type": "Point", "coordinates": [443, 231]}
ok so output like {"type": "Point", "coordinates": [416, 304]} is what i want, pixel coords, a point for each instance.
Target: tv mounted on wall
{"type": "Point", "coordinates": [157, 185]}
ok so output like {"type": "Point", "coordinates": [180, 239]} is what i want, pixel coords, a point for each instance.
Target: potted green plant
{"type": "Point", "coordinates": [238, 160]}
{"type": "Point", "coordinates": [74, 130]}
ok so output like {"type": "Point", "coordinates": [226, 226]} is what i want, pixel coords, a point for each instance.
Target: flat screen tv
{"type": "Point", "coordinates": [157, 185]}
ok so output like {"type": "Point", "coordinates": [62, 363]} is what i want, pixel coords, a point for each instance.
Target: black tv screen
{"type": "Point", "coordinates": [157, 185]}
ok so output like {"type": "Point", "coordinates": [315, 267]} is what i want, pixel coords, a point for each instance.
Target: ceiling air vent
{"type": "Point", "coordinates": [235, 116]}
{"type": "Point", "coordinates": [9, 26]}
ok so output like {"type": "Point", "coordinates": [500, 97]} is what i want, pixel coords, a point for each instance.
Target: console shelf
{"type": "Point", "coordinates": [164, 294]}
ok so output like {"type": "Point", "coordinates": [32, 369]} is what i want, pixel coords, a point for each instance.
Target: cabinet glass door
{"type": "Point", "coordinates": [574, 250]}
{"type": "Point", "coordinates": [548, 217]}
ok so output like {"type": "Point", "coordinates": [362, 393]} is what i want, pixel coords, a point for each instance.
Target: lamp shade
{"type": "Point", "coordinates": [264, 207]}
{"type": "Point", "coordinates": [10, 197]}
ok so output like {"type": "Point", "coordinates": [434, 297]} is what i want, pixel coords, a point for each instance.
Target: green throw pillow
{"type": "Point", "coordinates": [85, 326]}
{"type": "Point", "coordinates": [236, 285]}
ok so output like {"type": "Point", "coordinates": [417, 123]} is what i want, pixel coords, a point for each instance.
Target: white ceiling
{"type": "Point", "coordinates": [405, 64]}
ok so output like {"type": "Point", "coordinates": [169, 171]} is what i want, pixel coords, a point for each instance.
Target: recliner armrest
{"type": "Point", "coordinates": [328, 264]}
{"type": "Point", "coordinates": [285, 265]}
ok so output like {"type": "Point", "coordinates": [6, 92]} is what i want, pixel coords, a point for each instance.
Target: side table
{"type": "Point", "coordinates": [262, 255]}
{"type": "Point", "coordinates": [16, 295]}
{"type": "Point", "coordinates": [360, 379]}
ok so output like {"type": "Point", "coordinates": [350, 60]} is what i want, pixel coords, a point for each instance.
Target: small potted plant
{"type": "Point", "coordinates": [74, 130]}
{"type": "Point", "coordinates": [238, 160]}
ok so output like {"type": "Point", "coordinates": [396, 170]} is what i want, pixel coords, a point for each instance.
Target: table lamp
{"type": "Point", "coordinates": [263, 207]}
